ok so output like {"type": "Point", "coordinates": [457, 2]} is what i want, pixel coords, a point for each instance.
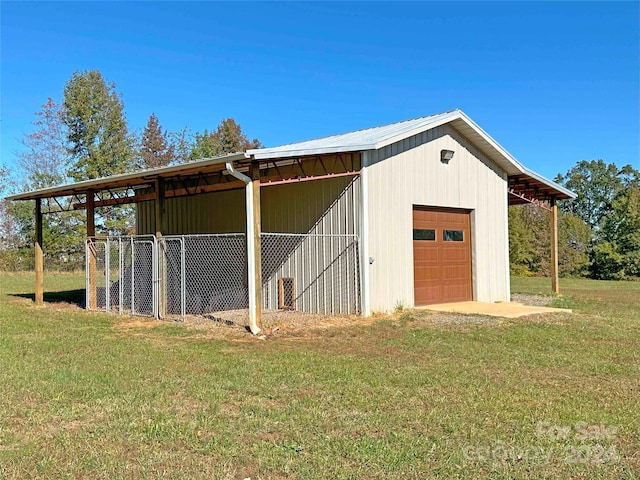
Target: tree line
{"type": "Point", "coordinates": [86, 136]}
{"type": "Point", "coordinates": [598, 233]}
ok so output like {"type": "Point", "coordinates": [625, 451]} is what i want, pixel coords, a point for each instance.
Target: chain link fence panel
{"type": "Point", "coordinates": [206, 275]}
{"type": "Point", "coordinates": [318, 274]}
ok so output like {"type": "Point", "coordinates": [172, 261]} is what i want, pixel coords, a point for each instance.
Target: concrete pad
{"type": "Point", "coordinates": [498, 309]}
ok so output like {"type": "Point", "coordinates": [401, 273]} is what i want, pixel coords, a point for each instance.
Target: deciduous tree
{"type": "Point", "coordinates": [609, 202]}
{"type": "Point", "coordinates": [529, 242]}
{"type": "Point", "coordinates": [618, 255]}
{"type": "Point", "coordinates": [45, 161]}
{"type": "Point", "coordinates": [597, 185]}
{"type": "Point", "coordinates": [99, 140]}
{"type": "Point", "coordinates": [44, 158]}
{"type": "Point", "coordinates": [228, 138]}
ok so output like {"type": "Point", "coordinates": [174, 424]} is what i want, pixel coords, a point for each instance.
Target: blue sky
{"type": "Point", "coordinates": [553, 82]}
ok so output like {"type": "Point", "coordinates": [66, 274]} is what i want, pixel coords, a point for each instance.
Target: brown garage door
{"type": "Point", "coordinates": [441, 255]}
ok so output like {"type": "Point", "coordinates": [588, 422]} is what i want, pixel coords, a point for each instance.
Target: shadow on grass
{"type": "Point", "coordinates": [74, 297]}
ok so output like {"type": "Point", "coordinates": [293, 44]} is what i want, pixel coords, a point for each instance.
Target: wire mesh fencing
{"type": "Point", "coordinates": [310, 273]}
{"type": "Point", "coordinates": [205, 275]}
{"type": "Point", "coordinates": [121, 275]}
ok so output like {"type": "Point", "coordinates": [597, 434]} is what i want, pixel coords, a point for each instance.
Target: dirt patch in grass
{"type": "Point", "coordinates": [296, 326]}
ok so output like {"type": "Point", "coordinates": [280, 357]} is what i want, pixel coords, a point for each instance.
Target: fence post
{"type": "Point", "coordinates": [107, 274]}
{"type": "Point", "coordinates": [161, 290]}
{"type": "Point", "coordinates": [133, 276]}
{"type": "Point", "coordinates": [183, 280]}
{"type": "Point", "coordinates": [120, 276]}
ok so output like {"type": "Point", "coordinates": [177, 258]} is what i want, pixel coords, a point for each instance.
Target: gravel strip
{"type": "Point", "coordinates": [531, 300]}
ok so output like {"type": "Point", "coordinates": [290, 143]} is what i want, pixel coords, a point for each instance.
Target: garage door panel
{"type": "Point", "coordinates": [424, 216]}
{"type": "Point", "coordinates": [454, 255]}
{"type": "Point", "coordinates": [456, 293]}
{"type": "Point", "coordinates": [455, 272]}
{"type": "Point", "coordinates": [442, 261]}
{"type": "Point", "coordinates": [426, 255]}
{"type": "Point", "coordinates": [429, 293]}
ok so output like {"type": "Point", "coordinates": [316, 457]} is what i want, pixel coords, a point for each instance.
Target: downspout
{"type": "Point", "coordinates": [251, 264]}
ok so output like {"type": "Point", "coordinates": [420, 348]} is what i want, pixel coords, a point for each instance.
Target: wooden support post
{"type": "Point", "coordinates": [92, 298]}
{"type": "Point", "coordinates": [39, 260]}
{"type": "Point", "coordinates": [159, 205]}
{"type": "Point", "coordinates": [257, 249]}
{"type": "Point", "coordinates": [555, 287]}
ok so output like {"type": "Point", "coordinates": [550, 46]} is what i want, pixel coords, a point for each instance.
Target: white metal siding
{"type": "Point", "coordinates": [410, 173]}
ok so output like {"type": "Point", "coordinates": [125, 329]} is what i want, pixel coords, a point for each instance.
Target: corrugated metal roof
{"type": "Point", "coordinates": [359, 140]}
{"type": "Point", "coordinates": [366, 139]}
{"type": "Point", "coordinates": [379, 137]}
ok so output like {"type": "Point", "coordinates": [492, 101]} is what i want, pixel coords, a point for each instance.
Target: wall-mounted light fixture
{"type": "Point", "coordinates": [446, 155]}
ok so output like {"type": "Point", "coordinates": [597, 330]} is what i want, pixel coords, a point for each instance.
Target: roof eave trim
{"type": "Point", "coordinates": [550, 183]}
{"type": "Point", "coordinates": [452, 116]}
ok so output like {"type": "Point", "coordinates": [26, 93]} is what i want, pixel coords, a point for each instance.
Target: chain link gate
{"type": "Point", "coordinates": [121, 275]}
{"type": "Point", "coordinates": [203, 275]}
{"type": "Point", "coordinates": [206, 275]}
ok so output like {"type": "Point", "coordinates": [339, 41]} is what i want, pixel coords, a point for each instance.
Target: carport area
{"type": "Point", "coordinates": [220, 238]}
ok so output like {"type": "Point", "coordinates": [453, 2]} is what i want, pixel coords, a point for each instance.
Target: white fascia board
{"type": "Point", "coordinates": [456, 115]}
{"type": "Point", "coordinates": [415, 131]}
{"type": "Point", "coordinates": [549, 183]}
{"type": "Point", "coordinates": [492, 142]}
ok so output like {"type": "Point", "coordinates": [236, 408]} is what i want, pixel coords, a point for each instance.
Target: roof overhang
{"type": "Point", "coordinates": [134, 180]}
{"type": "Point", "coordinates": [530, 187]}
{"type": "Point", "coordinates": [526, 184]}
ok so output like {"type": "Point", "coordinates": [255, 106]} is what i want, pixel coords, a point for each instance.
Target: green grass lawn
{"type": "Point", "coordinates": [88, 395]}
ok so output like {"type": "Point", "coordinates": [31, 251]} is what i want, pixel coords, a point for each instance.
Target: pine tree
{"type": "Point", "coordinates": [156, 149]}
